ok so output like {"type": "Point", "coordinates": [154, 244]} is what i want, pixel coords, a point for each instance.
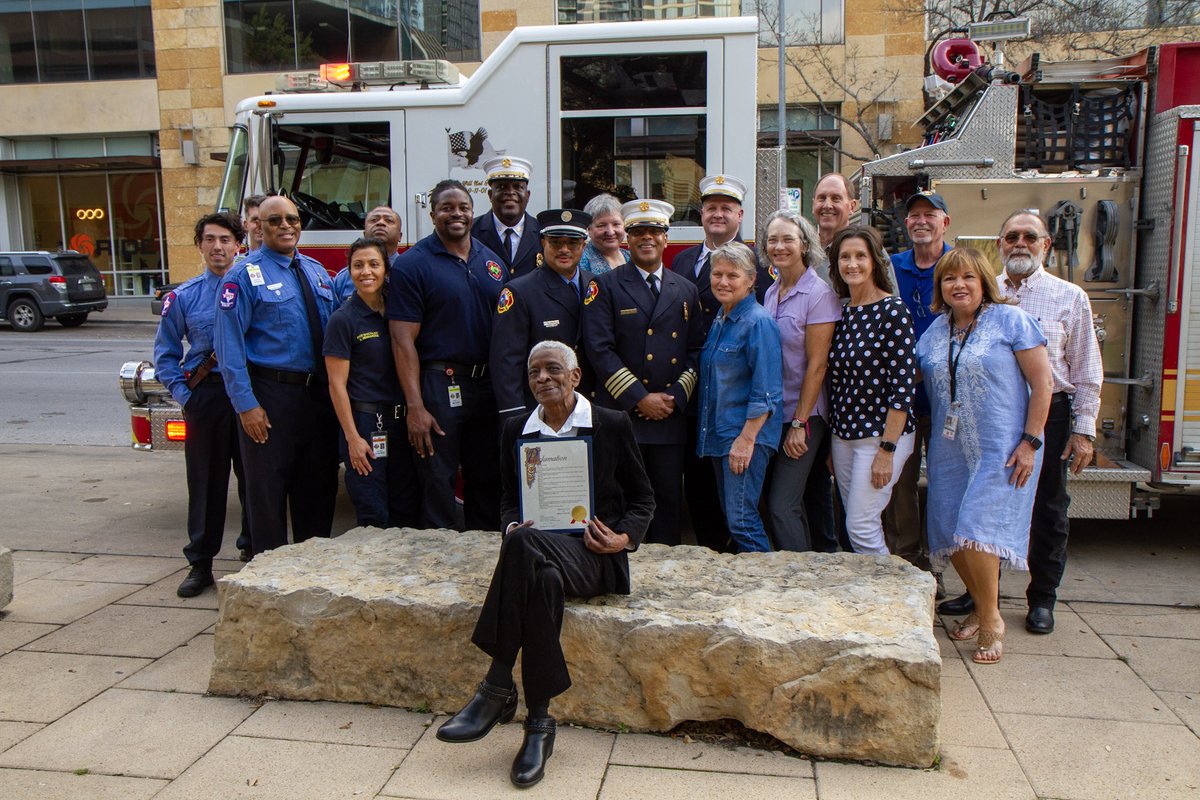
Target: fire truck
{"type": "Point", "coordinates": [1106, 151]}
{"type": "Point", "coordinates": [634, 109]}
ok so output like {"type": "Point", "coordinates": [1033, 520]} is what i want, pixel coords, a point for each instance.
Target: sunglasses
{"type": "Point", "coordinates": [1014, 237]}
{"type": "Point", "coordinates": [276, 221]}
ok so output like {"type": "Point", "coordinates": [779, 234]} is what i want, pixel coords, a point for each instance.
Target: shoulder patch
{"type": "Point", "coordinates": [505, 302]}
{"type": "Point", "coordinates": [593, 291]}
{"type": "Point", "coordinates": [229, 293]}
{"type": "Point", "coordinates": [495, 271]}
{"type": "Point", "coordinates": [167, 302]}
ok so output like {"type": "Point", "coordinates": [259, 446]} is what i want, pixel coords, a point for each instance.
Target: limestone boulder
{"type": "Point", "coordinates": [833, 654]}
{"type": "Point", "coordinates": [6, 576]}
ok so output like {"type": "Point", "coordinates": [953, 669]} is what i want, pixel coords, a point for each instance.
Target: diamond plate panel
{"type": "Point", "coordinates": [768, 184]}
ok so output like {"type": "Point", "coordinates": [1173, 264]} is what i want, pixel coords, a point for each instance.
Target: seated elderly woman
{"type": "Point", "coordinates": [741, 394]}
{"type": "Point", "coordinates": [536, 570]}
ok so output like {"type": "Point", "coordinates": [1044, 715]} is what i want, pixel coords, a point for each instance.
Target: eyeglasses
{"type": "Point", "coordinates": [277, 221]}
{"type": "Point", "coordinates": [918, 304]}
{"type": "Point", "coordinates": [1013, 237]}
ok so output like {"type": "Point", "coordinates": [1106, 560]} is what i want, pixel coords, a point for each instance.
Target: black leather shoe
{"type": "Point", "coordinates": [957, 606]}
{"type": "Point", "coordinates": [489, 706]}
{"type": "Point", "coordinates": [244, 555]}
{"type": "Point", "coordinates": [199, 579]}
{"type": "Point", "coordinates": [529, 766]}
{"type": "Point", "coordinates": [1040, 620]}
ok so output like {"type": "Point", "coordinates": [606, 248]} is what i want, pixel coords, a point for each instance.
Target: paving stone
{"type": "Point", "coordinates": [966, 719]}
{"type": "Point", "coordinates": [184, 669]}
{"type": "Point", "coordinates": [1186, 706]}
{"type": "Point", "coordinates": [1072, 636]}
{"type": "Point", "coordinates": [646, 783]}
{"type": "Point", "coordinates": [162, 592]}
{"type": "Point", "coordinates": [952, 661]}
{"type": "Point", "coordinates": [25, 570]}
{"type": "Point", "coordinates": [1130, 620]}
{"type": "Point", "coordinates": [1105, 759]}
{"type": "Point", "coordinates": [128, 631]}
{"type": "Point", "coordinates": [672, 752]}
{"type": "Point", "coordinates": [337, 723]}
{"type": "Point", "coordinates": [964, 772]}
{"type": "Point", "coordinates": [13, 732]}
{"type": "Point", "coordinates": [61, 602]}
{"type": "Point", "coordinates": [126, 732]}
{"type": "Point", "coordinates": [6, 576]}
{"type": "Point", "coordinates": [52, 556]}
{"type": "Point", "coordinates": [15, 634]}
{"type": "Point", "coordinates": [1172, 665]}
{"type": "Point", "coordinates": [29, 783]}
{"type": "Point", "coordinates": [118, 569]}
{"type": "Point", "coordinates": [436, 770]}
{"type": "Point", "coordinates": [276, 769]}
{"type": "Point", "coordinates": [1093, 688]}
{"type": "Point", "coordinates": [41, 687]}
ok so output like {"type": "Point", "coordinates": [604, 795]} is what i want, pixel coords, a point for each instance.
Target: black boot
{"type": "Point", "coordinates": [481, 713]}
{"type": "Point", "coordinates": [198, 579]}
{"type": "Point", "coordinates": [957, 606]}
{"type": "Point", "coordinates": [538, 745]}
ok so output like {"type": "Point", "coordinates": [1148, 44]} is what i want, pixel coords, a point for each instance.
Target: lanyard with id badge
{"type": "Point", "coordinates": [454, 389]}
{"type": "Point", "coordinates": [379, 439]}
{"type": "Point", "coordinates": [950, 426]}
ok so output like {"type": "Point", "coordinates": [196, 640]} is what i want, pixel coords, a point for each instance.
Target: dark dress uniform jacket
{"type": "Point", "coordinates": [525, 260]}
{"type": "Point", "coordinates": [636, 346]}
{"type": "Point", "coordinates": [624, 500]}
{"type": "Point", "coordinates": [540, 306]}
{"type": "Point", "coordinates": [685, 265]}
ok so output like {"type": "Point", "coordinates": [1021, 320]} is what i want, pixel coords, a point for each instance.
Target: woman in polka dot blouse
{"type": "Point", "coordinates": [872, 382]}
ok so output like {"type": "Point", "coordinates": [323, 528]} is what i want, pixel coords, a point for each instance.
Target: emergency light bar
{"type": "Point", "coordinates": [369, 73]}
{"type": "Point", "coordinates": [1016, 28]}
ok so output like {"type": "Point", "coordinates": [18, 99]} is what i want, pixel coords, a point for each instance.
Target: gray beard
{"type": "Point", "coordinates": [1019, 266]}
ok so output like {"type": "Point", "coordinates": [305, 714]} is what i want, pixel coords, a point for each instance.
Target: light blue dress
{"type": "Point", "coordinates": [971, 503]}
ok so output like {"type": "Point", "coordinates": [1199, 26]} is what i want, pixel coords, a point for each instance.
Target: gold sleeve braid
{"type": "Point", "coordinates": [619, 381]}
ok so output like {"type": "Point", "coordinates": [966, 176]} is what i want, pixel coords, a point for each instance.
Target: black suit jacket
{"type": "Point", "coordinates": [685, 264]}
{"type": "Point", "coordinates": [543, 308]}
{"type": "Point", "coordinates": [624, 500]}
{"type": "Point", "coordinates": [525, 261]}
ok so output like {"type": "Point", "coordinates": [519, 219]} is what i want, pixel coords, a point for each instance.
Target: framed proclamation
{"type": "Point", "coordinates": [556, 483]}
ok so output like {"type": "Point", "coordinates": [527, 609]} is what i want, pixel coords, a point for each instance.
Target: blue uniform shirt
{"type": "Point", "coordinates": [453, 300]}
{"type": "Point", "coordinates": [360, 336]}
{"type": "Point", "coordinates": [187, 313]}
{"type": "Point", "coordinates": [915, 287]}
{"type": "Point", "coordinates": [261, 319]}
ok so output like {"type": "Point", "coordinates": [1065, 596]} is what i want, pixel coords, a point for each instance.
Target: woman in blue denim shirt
{"type": "Point", "coordinates": [741, 394]}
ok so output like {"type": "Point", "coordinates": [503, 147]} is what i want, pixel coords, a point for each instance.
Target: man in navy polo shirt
{"type": "Point", "coordinates": [441, 297]}
{"type": "Point", "coordinates": [926, 220]}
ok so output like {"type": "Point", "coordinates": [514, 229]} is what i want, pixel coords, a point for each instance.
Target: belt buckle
{"type": "Point", "coordinates": [477, 370]}
{"type": "Point", "coordinates": [308, 378]}
{"type": "Point", "coordinates": [398, 411]}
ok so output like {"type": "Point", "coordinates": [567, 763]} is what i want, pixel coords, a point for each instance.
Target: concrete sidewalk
{"type": "Point", "coordinates": [103, 672]}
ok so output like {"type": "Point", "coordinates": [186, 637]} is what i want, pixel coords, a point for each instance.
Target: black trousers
{"type": "Point", "coordinates": [472, 441]}
{"type": "Point", "coordinates": [1049, 528]}
{"type": "Point", "coordinates": [664, 468]}
{"type": "Point", "coordinates": [704, 503]}
{"type": "Point", "coordinates": [819, 504]}
{"type": "Point", "coordinates": [296, 469]}
{"type": "Point", "coordinates": [388, 496]}
{"type": "Point", "coordinates": [523, 611]}
{"type": "Point", "coordinates": [209, 452]}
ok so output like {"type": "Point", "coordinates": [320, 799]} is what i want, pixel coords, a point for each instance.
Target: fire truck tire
{"type": "Point", "coordinates": [25, 316]}
{"type": "Point", "coordinates": [71, 320]}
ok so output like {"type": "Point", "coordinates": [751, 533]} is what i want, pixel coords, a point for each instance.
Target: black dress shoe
{"type": "Point", "coordinates": [957, 606]}
{"type": "Point", "coordinates": [199, 579]}
{"type": "Point", "coordinates": [1039, 620]}
{"type": "Point", "coordinates": [244, 555]}
{"type": "Point", "coordinates": [536, 748]}
{"type": "Point", "coordinates": [489, 706]}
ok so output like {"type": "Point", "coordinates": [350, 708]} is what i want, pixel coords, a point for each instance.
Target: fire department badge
{"type": "Point", "coordinates": [229, 293]}
{"type": "Point", "coordinates": [167, 301]}
{"type": "Point", "coordinates": [505, 302]}
{"type": "Point", "coordinates": [592, 291]}
{"type": "Point", "coordinates": [720, 180]}
{"type": "Point", "coordinates": [685, 311]}
{"type": "Point", "coordinates": [539, 259]}
{"type": "Point", "coordinates": [643, 206]}
{"type": "Point", "coordinates": [495, 270]}
{"type": "Point", "coordinates": [507, 163]}
{"type": "Point", "coordinates": [566, 216]}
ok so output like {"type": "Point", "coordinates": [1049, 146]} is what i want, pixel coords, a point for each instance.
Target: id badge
{"type": "Point", "coordinates": [379, 441]}
{"type": "Point", "coordinates": [950, 426]}
{"type": "Point", "coordinates": [455, 396]}
{"type": "Point", "coordinates": [255, 274]}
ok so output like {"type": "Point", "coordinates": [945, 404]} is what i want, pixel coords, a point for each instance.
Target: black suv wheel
{"type": "Point", "coordinates": [71, 320]}
{"type": "Point", "coordinates": [25, 316]}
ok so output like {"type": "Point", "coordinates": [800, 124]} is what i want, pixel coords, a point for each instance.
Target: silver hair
{"type": "Point", "coordinates": [808, 235]}
{"type": "Point", "coordinates": [737, 254]}
{"type": "Point", "coordinates": [602, 205]}
{"type": "Point", "coordinates": [567, 354]}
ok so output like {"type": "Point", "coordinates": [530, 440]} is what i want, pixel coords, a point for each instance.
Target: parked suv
{"type": "Point", "coordinates": [39, 284]}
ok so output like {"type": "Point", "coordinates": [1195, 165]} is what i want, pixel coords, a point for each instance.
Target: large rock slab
{"type": "Point", "coordinates": [832, 654]}
{"type": "Point", "coordinates": [6, 576]}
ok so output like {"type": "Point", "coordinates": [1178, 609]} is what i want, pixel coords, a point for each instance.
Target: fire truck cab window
{"type": "Point", "coordinates": [334, 173]}
{"type": "Point", "coordinates": [656, 80]}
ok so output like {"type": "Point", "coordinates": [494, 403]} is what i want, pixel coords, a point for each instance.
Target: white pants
{"type": "Point", "coordinates": [863, 503]}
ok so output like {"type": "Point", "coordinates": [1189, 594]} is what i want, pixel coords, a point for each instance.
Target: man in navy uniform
{"type": "Point", "coordinates": [272, 309]}
{"type": "Point", "coordinates": [545, 304]}
{"type": "Point", "coordinates": [194, 380]}
{"type": "Point", "coordinates": [382, 223]}
{"type": "Point", "coordinates": [442, 294]}
{"type": "Point", "coordinates": [507, 229]}
{"type": "Point", "coordinates": [643, 333]}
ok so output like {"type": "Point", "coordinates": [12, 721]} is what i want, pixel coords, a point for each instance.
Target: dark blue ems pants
{"type": "Point", "coordinates": [387, 497]}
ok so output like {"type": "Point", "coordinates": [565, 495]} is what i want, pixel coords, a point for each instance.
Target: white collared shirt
{"type": "Point", "coordinates": [581, 417]}
{"type": "Point", "coordinates": [518, 231]}
{"type": "Point", "coordinates": [658, 273]}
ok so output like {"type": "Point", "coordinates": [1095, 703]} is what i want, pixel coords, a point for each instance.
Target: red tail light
{"type": "Point", "coordinates": [176, 430]}
{"type": "Point", "coordinates": [58, 282]}
{"type": "Point", "coordinates": [141, 430]}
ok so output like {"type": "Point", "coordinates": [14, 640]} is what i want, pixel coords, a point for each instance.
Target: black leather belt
{"type": "Point", "coordinates": [386, 409]}
{"type": "Point", "coordinates": [283, 376]}
{"type": "Point", "coordinates": [1060, 397]}
{"type": "Point", "coordinates": [456, 369]}
{"type": "Point", "coordinates": [213, 377]}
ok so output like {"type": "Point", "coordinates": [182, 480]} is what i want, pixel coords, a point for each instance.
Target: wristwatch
{"type": "Point", "coordinates": [800, 424]}
{"type": "Point", "coordinates": [1034, 442]}
{"type": "Point", "coordinates": [886, 446]}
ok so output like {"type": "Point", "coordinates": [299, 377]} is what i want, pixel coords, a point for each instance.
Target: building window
{"type": "Point", "coordinates": [811, 140]}
{"type": "Point", "coordinates": [806, 22]}
{"type": "Point", "coordinates": [571, 12]}
{"type": "Point", "coordinates": [46, 41]}
{"type": "Point", "coordinates": [281, 35]}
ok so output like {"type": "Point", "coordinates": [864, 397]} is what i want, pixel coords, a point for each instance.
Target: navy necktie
{"type": "Point", "coordinates": [652, 282]}
{"type": "Point", "coordinates": [314, 318]}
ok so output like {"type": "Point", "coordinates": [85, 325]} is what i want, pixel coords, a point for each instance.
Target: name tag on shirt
{"type": "Point", "coordinates": [256, 276]}
{"type": "Point", "coordinates": [627, 311]}
{"type": "Point", "coordinates": [550, 323]}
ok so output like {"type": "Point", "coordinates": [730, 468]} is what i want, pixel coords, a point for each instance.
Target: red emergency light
{"type": "Point", "coordinates": [176, 430]}
{"type": "Point", "coordinates": [141, 430]}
